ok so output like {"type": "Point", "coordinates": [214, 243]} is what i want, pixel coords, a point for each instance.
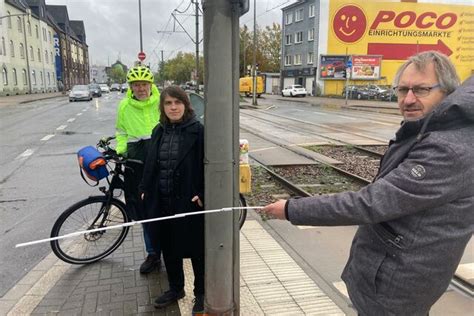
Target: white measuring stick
{"type": "Point", "coordinates": [156, 219]}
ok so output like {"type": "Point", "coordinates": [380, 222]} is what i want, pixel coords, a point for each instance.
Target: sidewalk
{"type": "Point", "coordinates": [271, 283]}
{"type": "Point", "coordinates": [25, 98]}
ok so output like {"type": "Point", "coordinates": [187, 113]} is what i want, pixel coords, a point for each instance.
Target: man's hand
{"type": "Point", "coordinates": [197, 200]}
{"type": "Point", "coordinates": [275, 210]}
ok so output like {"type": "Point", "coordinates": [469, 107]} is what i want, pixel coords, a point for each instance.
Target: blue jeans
{"type": "Point", "coordinates": [148, 244]}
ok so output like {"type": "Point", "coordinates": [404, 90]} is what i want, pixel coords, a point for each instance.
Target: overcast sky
{"type": "Point", "coordinates": [112, 27]}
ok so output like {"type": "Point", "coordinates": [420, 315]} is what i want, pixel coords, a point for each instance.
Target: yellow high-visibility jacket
{"type": "Point", "coordinates": [136, 119]}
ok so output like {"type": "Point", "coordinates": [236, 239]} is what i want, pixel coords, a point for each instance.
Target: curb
{"type": "Point", "coordinates": [45, 98]}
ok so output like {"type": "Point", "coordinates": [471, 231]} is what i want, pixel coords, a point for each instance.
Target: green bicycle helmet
{"type": "Point", "coordinates": [139, 73]}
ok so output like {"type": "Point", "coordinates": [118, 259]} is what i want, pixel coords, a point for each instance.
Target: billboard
{"type": "Point", "coordinates": [366, 67]}
{"type": "Point", "coordinates": [57, 55]}
{"type": "Point", "coordinates": [333, 67]}
{"type": "Point", "coordinates": [398, 30]}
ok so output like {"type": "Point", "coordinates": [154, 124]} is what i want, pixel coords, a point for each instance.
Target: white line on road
{"type": "Point", "coordinates": [61, 127]}
{"type": "Point", "coordinates": [47, 137]}
{"type": "Point", "coordinates": [71, 120]}
{"type": "Point", "coordinates": [25, 154]}
{"type": "Point", "coordinates": [320, 113]}
{"type": "Point", "coordinates": [84, 110]}
{"type": "Point", "coordinates": [79, 114]}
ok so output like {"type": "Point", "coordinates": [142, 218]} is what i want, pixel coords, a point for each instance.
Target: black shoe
{"type": "Point", "coordinates": [198, 307]}
{"type": "Point", "coordinates": [151, 263]}
{"type": "Point", "coordinates": [168, 298]}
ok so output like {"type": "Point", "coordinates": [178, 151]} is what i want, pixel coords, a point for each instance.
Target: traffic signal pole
{"type": "Point", "coordinates": [221, 62]}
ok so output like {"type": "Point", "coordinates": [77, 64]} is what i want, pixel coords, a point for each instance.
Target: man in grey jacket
{"type": "Point", "coordinates": [417, 217]}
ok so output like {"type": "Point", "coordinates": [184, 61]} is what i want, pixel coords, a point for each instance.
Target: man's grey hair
{"type": "Point", "coordinates": [445, 71]}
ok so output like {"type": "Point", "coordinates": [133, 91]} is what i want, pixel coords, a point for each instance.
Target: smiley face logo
{"type": "Point", "coordinates": [349, 23]}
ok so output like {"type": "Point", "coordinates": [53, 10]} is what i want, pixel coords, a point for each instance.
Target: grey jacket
{"type": "Point", "coordinates": [415, 219]}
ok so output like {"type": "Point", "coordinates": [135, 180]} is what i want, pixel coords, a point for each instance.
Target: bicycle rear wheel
{"type": "Point", "coordinates": [93, 212]}
{"type": "Point", "coordinates": [243, 212]}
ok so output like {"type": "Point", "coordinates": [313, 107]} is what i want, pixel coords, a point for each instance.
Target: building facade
{"type": "Point", "coordinates": [31, 58]}
{"type": "Point", "coordinates": [299, 45]}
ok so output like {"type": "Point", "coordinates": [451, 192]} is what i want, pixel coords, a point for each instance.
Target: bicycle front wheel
{"type": "Point", "coordinates": [93, 212]}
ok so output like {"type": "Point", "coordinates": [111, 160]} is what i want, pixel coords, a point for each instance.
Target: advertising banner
{"type": "Point", "coordinates": [398, 30]}
{"type": "Point", "coordinates": [58, 62]}
{"type": "Point", "coordinates": [333, 67]}
{"type": "Point", "coordinates": [366, 67]}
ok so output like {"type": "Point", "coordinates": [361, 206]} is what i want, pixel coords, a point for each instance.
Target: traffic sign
{"type": "Point", "coordinates": [141, 56]}
{"type": "Point", "coordinates": [349, 63]}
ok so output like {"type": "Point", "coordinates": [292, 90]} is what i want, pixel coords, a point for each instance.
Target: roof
{"type": "Point", "coordinates": [297, 3]}
{"type": "Point", "coordinates": [78, 27]}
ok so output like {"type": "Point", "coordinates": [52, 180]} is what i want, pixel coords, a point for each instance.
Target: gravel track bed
{"type": "Point", "coordinates": [353, 160]}
{"type": "Point", "coordinates": [381, 149]}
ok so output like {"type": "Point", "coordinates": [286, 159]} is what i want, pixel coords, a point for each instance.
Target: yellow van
{"type": "Point", "coordinates": [245, 86]}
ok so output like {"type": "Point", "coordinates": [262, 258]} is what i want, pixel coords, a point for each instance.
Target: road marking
{"type": "Point", "coordinates": [71, 120]}
{"type": "Point", "coordinates": [61, 127]}
{"type": "Point", "coordinates": [79, 114]}
{"type": "Point", "coordinates": [25, 154]}
{"type": "Point", "coordinates": [84, 110]}
{"type": "Point", "coordinates": [47, 137]}
{"type": "Point", "coordinates": [320, 113]}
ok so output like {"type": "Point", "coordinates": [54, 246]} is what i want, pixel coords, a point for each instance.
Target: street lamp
{"type": "Point", "coordinates": [28, 13]}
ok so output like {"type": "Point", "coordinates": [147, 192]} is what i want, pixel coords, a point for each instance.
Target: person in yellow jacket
{"type": "Point", "coordinates": [138, 113]}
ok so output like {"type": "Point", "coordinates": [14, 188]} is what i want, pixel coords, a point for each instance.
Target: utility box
{"type": "Point", "coordinates": [245, 175]}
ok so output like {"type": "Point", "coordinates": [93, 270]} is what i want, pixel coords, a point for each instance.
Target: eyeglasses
{"type": "Point", "coordinates": [419, 92]}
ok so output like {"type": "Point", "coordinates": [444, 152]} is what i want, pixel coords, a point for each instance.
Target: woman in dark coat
{"type": "Point", "coordinates": [173, 183]}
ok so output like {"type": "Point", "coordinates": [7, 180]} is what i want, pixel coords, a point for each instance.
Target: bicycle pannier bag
{"type": "Point", "coordinates": [92, 163]}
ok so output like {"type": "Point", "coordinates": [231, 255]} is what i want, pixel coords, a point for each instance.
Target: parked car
{"type": "Point", "coordinates": [124, 87]}
{"type": "Point", "coordinates": [104, 88]}
{"type": "Point", "coordinates": [358, 92]}
{"type": "Point", "coordinates": [80, 92]}
{"type": "Point", "coordinates": [294, 91]}
{"type": "Point", "coordinates": [95, 90]}
{"type": "Point", "coordinates": [388, 95]}
{"type": "Point", "coordinates": [115, 87]}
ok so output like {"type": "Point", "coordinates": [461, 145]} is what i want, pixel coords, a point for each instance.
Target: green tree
{"type": "Point", "coordinates": [267, 50]}
{"type": "Point", "coordinates": [117, 74]}
{"type": "Point", "coordinates": [180, 68]}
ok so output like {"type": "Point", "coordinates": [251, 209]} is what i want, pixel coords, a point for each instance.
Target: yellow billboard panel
{"type": "Point", "coordinates": [398, 30]}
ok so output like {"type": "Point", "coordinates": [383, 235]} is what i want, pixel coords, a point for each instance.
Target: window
{"type": "Point", "coordinates": [4, 50]}
{"type": "Point", "coordinates": [299, 15]}
{"type": "Point", "coordinates": [9, 20]}
{"type": "Point", "coordinates": [46, 59]}
{"type": "Point", "coordinates": [33, 77]}
{"type": "Point", "coordinates": [44, 34]}
{"type": "Point", "coordinates": [12, 49]}
{"type": "Point", "coordinates": [288, 60]}
{"type": "Point", "coordinates": [37, 31]}
{"type": "Point", "coordinates": [310, 35]}
{"type": "Point", "coordinates": [41, 77]}
{"type": "Point", "coordinates": [23, 75]}
{"type": "Point", "coordinates": [49, 36]}
{"type": "Point", "coordinates": [5, 76]}
{"type": "Point", "coordinates": [28, 25]}
{"type": "Point", "coordinates": [18, 21]}
{"type": "Point", "coordinates": [52, 60]}
{"type": "Point", "coordinates": [288, 18]}
{"type": "Point", "coordinates": [311, 11]}
{"type": "Point", "coordinates": [32, 56]}
{"type": "Point", "coordinates": [299, 37]}
{"type": "Point", "coordinates": [49, 79]}
{"type": "Point", "coordinates": [39, 55]}
{"type": "Point", "coordinates": [15, 78]}
{"type": "Point", "coordinates": [298, 59]}
{"type": "Point", "coordinates": [22, 51]}
{"type": "Point", "coordinates": [310, 59]}
{"type": "Point", "coordinates": [288, 39]}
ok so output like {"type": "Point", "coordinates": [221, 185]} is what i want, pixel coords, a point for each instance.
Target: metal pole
{"type": "Point", "coordinates": [221, 51]}
{"type": "Point", "coordinates": [254, 68]}
{"type": "Point", "coordinates": [197, 45]}
{"type": "Point", "coordinates": [347, 83]}
{"type": "Point", "coordinates": [140, 22]}
{"type": "Point", "coordinates": [162, 70]}
{"type": "Point", "coordinates": [27, 58]}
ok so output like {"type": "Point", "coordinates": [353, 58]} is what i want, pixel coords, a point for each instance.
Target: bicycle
{"type": "Point", "coordinates": [98, 212]}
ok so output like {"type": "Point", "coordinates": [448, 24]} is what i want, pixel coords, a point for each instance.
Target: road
{"type": "Point", "coordinates": [39, 176]}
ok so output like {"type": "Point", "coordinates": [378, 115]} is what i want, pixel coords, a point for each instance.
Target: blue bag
{"type": "Point", "coordinates": [92, 163]}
